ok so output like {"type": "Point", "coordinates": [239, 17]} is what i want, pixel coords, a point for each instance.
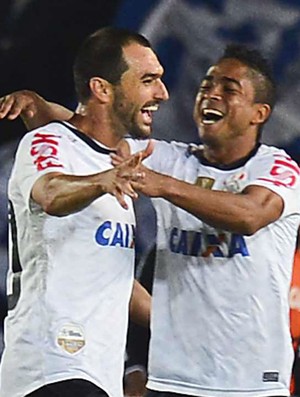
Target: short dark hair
{"type": "Point", "coordinates": [101, 55]}
{"type": "Point", "coordinates": [262, 76]}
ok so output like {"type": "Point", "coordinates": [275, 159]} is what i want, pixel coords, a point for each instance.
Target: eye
{"type": "Point", "coordinates": [204, 87]}
{"type": "Point", "coordinates": [147, 81]}
{"type": "Point", "coordinates": [230, 90]}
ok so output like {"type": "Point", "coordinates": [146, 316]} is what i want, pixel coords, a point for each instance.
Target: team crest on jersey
{"type": "Point", "coordinates": [71, 338]}
{"type": "Point", "coordinates": [236, 182]}
{"type": "Point", "coordinates": [205, 182]}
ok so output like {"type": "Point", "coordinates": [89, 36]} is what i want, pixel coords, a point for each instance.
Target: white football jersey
{"type": "Point", "coordinates": [70, 278]}
{"type": "Point", "coordinates": [220, 324]}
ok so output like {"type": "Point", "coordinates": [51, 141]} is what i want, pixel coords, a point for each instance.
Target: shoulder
{"type": "Point", "coordinates": [49, 134]}
{"type": "Point", "coordinates": [274, 155]}
{"type": "Point", "coordinates": [273, 151]}
{"type": "Point", "coordinates": [138, 144]}
{"type": "Point", "coordinates": [274, 166]}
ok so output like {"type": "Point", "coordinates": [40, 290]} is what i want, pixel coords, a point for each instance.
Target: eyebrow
{"type": "Point", "coordinates": [152, 75]}
{"type": "Point", "coordinates": [224, 79]}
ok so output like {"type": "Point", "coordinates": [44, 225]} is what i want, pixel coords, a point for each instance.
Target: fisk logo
{"type": "Point", "coordinates": [44, 149]}
{"type": "Point", "coordinates": [115, 234]}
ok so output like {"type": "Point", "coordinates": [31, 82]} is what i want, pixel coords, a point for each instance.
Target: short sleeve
{"type": "Point", "coordinates": [279, 173]}
{"type": "Point", "coordinates": [39, 152]}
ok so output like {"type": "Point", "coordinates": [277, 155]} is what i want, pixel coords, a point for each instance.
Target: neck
{"type": "Point", "coordinates": [230, 153]}
{"type": "Point", "coordinates": [96, 125]}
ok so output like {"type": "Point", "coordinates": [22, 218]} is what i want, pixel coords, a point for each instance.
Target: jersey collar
{"type": "Point", "coordinates": [197, 152]}
{"type": "Point", "coordinates": [93, 144]}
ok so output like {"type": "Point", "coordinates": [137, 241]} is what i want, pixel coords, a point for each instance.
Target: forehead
{"type": "Point", "coordinates": [231, 69]}
{"type": "Point", "coordinates": [142, 60]}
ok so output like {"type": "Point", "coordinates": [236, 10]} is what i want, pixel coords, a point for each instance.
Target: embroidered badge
{"type": "Point", "coordinates": [71, 338]}
{"type": "Point", "coordinates": [204, 182]}
{"type": "Point", "coordinates": [235, 183]}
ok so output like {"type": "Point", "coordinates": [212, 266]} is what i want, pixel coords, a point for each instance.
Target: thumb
{"type": "Point", "coordinates": [136, 159]}
{"type": "Point", "coordinates": [123, 150]}
{"type": "Point", "coordinates": [148, 150]}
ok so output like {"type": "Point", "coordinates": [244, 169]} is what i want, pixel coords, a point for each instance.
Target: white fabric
{"type": "Point", "coordinates": [220, 324]}
{"type": "Point", "coordinates": [77, 274]}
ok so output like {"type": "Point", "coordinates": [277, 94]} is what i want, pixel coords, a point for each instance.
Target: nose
{"type": "Point", "coordinates": [161, 92]}
{"type": "Point", "coordinates": [214, 92]}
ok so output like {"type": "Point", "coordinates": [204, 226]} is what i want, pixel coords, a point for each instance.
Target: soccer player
{"type": "Point", "coordinates": [227, 230]}
{"type": "Point", "coordinates": [228, 213]}
{"type": "Point", "coordinates": [72, 229]}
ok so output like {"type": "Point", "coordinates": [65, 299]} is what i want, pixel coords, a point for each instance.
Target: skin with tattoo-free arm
{"type": "Point", "coordinates": [243, 213]}
{"type": "Point", "coordinates": [34, 110]}
{"type": "Point", "coordinates": [60, 194]}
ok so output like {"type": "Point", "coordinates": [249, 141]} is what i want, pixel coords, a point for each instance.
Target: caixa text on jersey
{"type": "Point", "coordinates": [111, 233]}
{"type": "Point", "coordinates": [194, 243]}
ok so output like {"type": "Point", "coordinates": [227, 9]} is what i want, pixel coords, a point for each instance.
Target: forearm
{"type": "Point", "coordinates": [44, 113]}
{"type": "Point", "coordinates": [242, 213]}
{"type": "Point", "coordinates": [140, 305]}
{"type": "Point", "coordinates": [61, 195]}
{"type": "Point", "coordinates": [34, 110]}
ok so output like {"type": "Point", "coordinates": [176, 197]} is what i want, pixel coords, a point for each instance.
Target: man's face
{"type": "Point", "coordinates": [224, 107]}
{"type": "Point", "coordinates": [140, 91]}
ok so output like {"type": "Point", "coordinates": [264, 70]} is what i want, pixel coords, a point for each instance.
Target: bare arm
{"type": "Point", "coordinates": [34, 110]}
{"type": "Point", "coordinates": [140, 305]}
{"type": "Point", "coordinates": [243, 213]}
{"type": "Point", "coordinates": [60, 194]}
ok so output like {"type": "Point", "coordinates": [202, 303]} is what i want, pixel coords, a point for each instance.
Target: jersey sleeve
{"type": "Point", "coordinates": [279, 173]}
{"type": "Point", "coordinates": [40, 152]}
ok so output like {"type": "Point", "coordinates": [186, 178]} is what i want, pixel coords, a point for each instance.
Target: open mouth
{"type": "Point", "coordinates": [147, 112]}
{"type": "Point", "coordinates": [211, 116]}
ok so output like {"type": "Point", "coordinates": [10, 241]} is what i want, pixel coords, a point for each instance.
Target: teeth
{"type": "Point", "coordinates": [150, 108]}
{"type": "Point", "coordinates": [212, 112]}
{"type": "Point", "coordinates": [211, 116]}
{"type": "Point", "coordinates": [208, 121]}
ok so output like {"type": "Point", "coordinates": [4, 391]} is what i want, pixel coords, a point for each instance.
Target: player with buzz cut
{"type": "Point", "coordinates": [72, 222]}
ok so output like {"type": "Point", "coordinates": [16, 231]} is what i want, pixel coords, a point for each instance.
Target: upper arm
{"type": "Point", "coordinates": [267, 206]}
{"type": "Point", "coordinates": [40, 190]}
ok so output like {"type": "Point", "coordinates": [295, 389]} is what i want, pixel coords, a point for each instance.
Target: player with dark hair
{"type": "Point", "coordinates": [227, 215]}
{"type": "Point", "coordinates": [72, 227]}
{"type": "Point", "coordinates": [228, 212]}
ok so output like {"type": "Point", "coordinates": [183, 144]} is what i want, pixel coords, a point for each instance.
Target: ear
{"type": "Point", "coordinates": [262, 112]}
{"type": "Point", "coordinates": [100, 88]}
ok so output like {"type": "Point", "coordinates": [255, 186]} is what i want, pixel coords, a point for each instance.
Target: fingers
{"type": "Point", "coordinates": [121, 199]}
{"type": "Point", "coordinates": [123, 190]}
{"type": "Point", "coordinates": [123, 149]}
{"type": "Point", "coordinates": [132, 161]}
{"type": "Point", "coordinates": [12, 105]}
{"type": "Point", "coordinates": [149, 149]}
{"type": "Point", "coordinates": [6, 104]}
{"type": "Point", "coordinates": [123, 153]}
{"type": "Point", "coordinates": [116, 159]}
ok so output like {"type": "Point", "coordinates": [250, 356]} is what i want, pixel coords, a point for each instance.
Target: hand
{"type": "Point", "coordinates": [152, 184]}
{"type": "Point", "coordinates": [123, 152]}
{"type": "Point", "coordinates": [118, 181]}
{"type": "Point", "coordinates": [17, 103]}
